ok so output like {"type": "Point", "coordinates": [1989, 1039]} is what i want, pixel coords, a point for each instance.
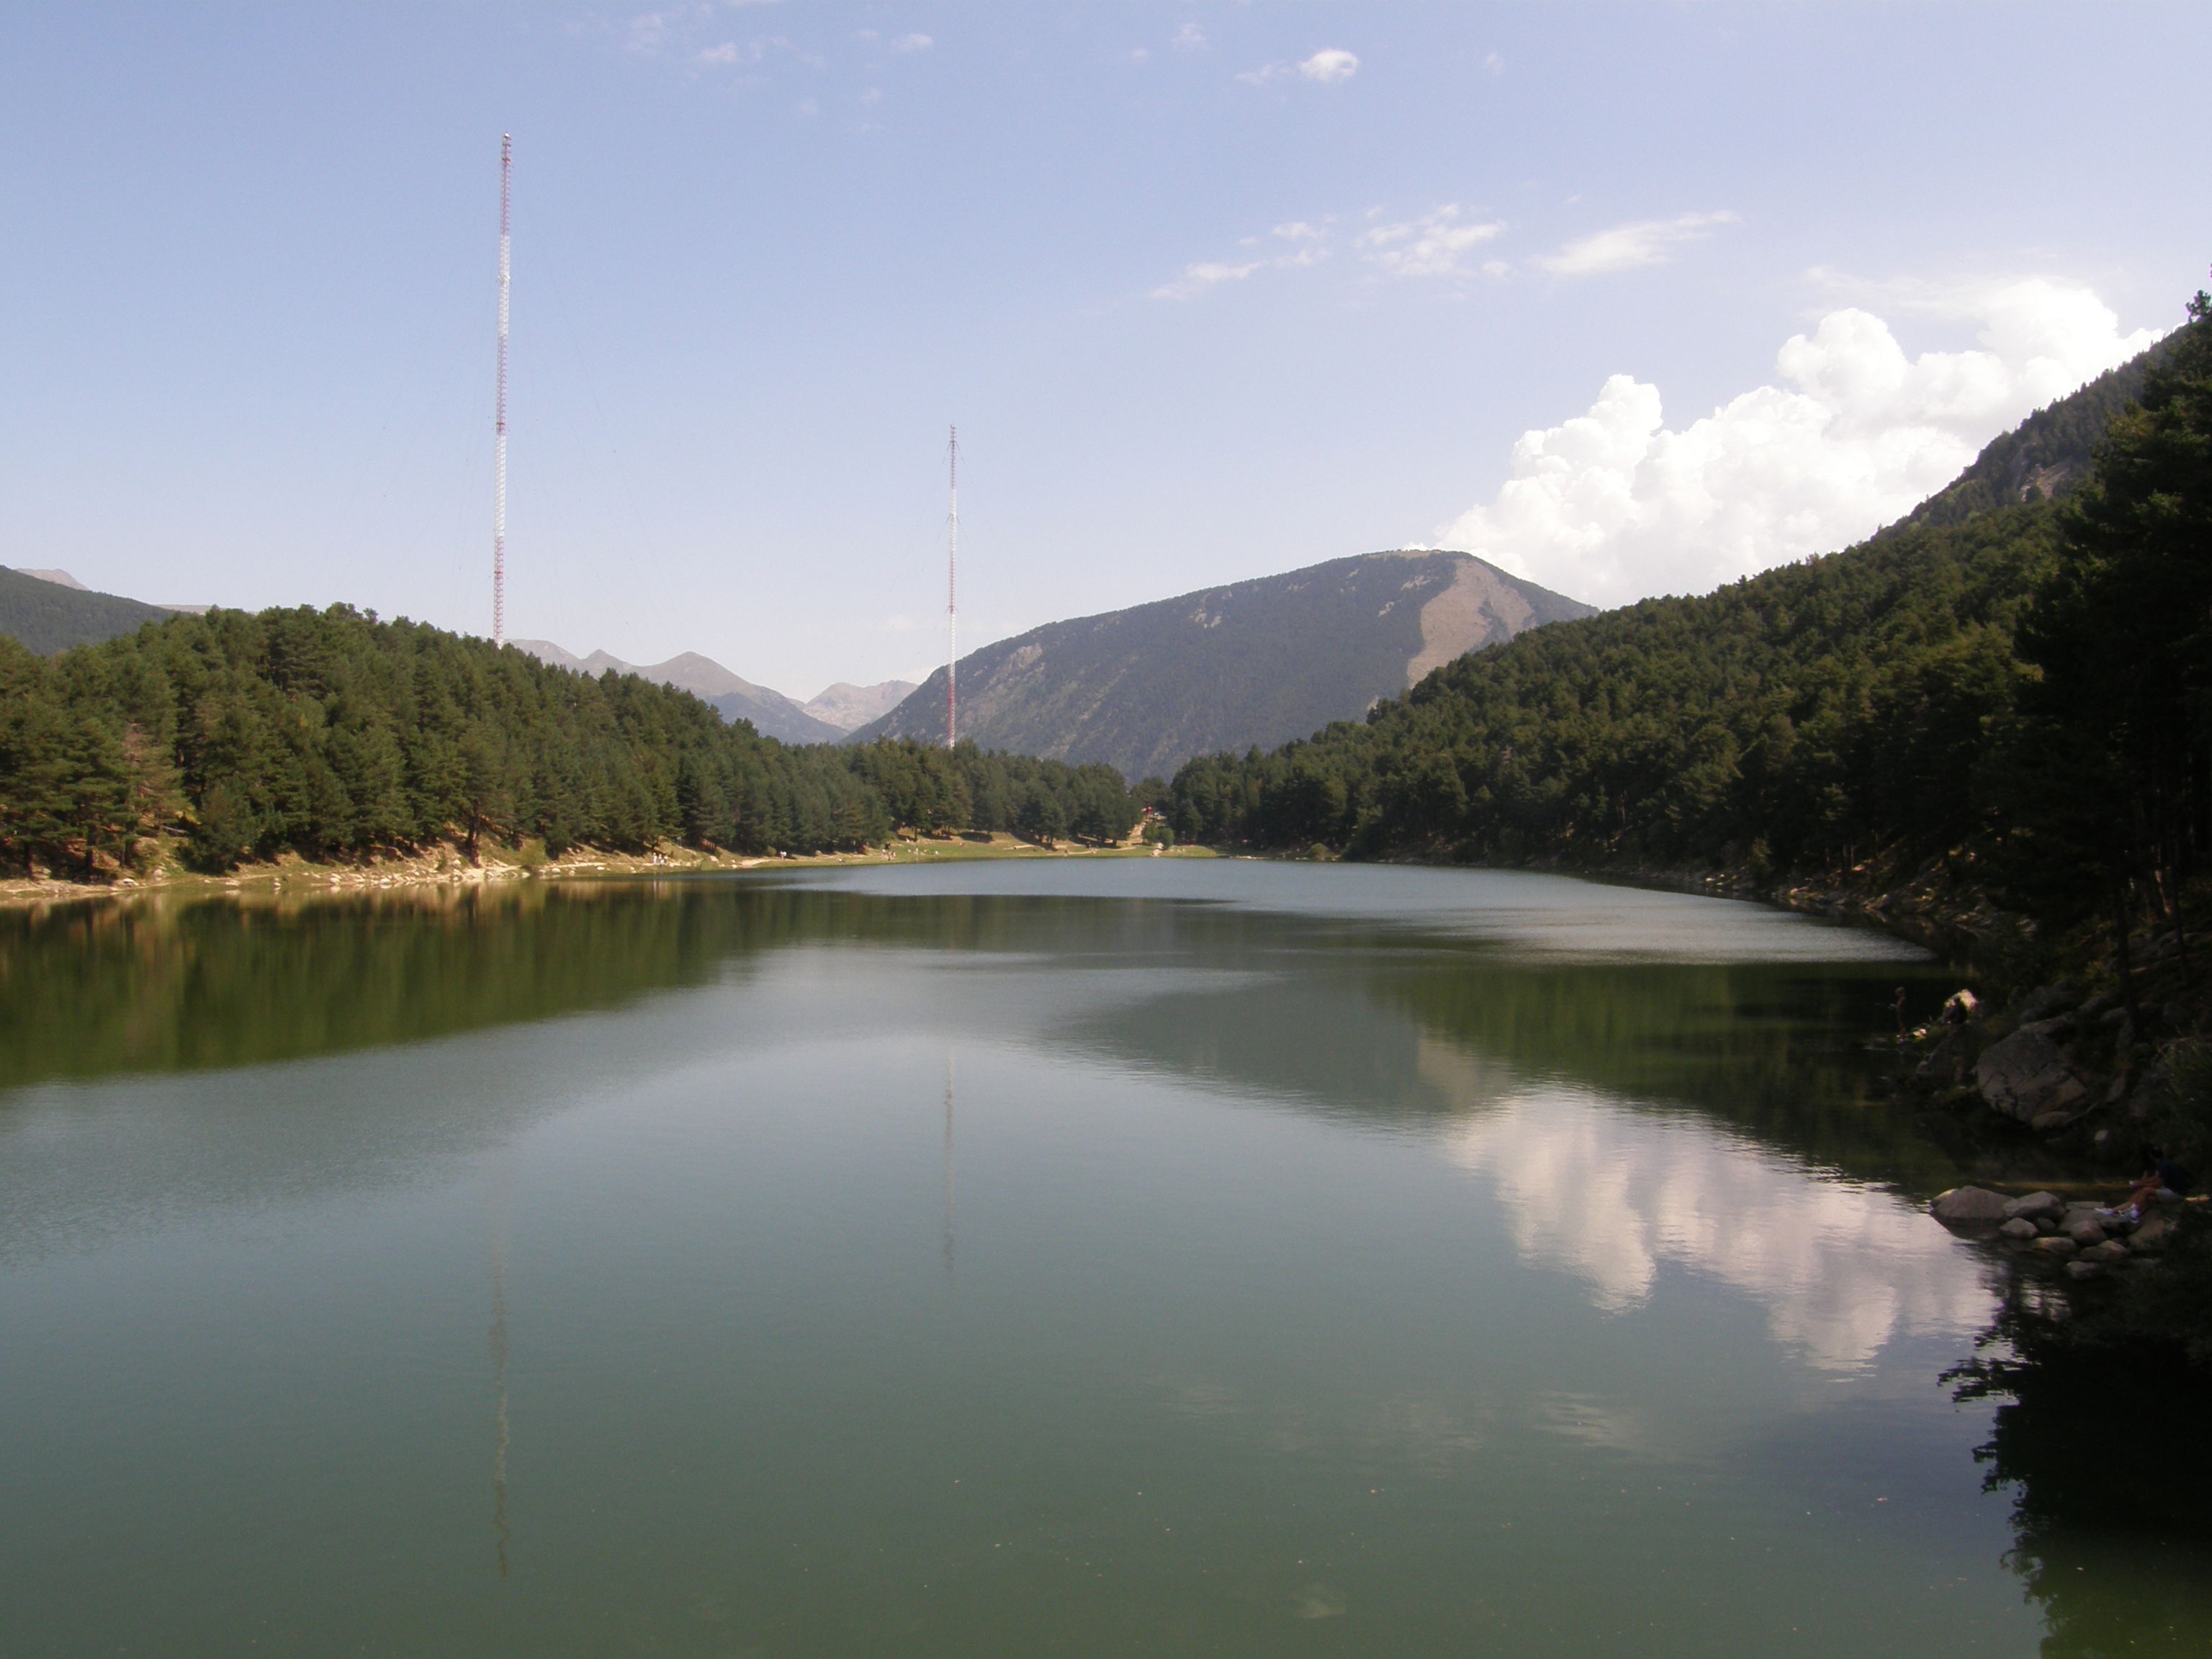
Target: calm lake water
{"type": "Point", "coordinates": [1149, 1257]}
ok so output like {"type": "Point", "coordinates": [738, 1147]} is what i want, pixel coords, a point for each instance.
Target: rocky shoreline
{"type": "Point", "coordinates": [2047, 1237]}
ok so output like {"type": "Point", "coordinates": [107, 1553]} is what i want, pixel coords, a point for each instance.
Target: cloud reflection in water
{"type": "Point", "coordinates": [1611, 1194]}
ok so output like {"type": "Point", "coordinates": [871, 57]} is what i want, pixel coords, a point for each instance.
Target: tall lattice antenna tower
{"type": "Point", "coordinates": [952, 589]}
{"type": "Point", "coordinates": [499, 443]}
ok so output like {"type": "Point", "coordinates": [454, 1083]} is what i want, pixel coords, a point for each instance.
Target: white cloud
{"type": "Point", "coordinates": [1428, 246]}
{"type": "Point", "coordinates": [1309, 244]}
{"type": "Point", "coordinates": [1612, 506]}
{"type": "Point", "coordinates": [1627, 247]}
{"type": "Point", "coordinates": [1196, 279]}
{"type": "Point", "coordinates": [717, 56]}
{"type": "Point", "coordinates": [1494, 64]}
{"type": "Point", "coordinates": [1331, 63]}
{"type": "Point", "coordinates": [1189, 38]}
{"type": "Point", "coordinates": [913, 43]}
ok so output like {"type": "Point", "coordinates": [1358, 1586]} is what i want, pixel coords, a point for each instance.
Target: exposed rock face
{"type": "Point", "coordinates": [849, 707]}
{"type": "Point", "coordinates": [2028, 1075]}
{"type": "Point", "coordinates": [1969, 1206]}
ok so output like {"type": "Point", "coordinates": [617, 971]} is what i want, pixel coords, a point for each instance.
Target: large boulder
{"type": "Point", "coordinates": [2084, 1228]}
{"type": "Point", "coordinates": [2037, 1206]}
{"type": "Point", "coordinates": [1946, 1065]}
{"type": "Point", "coordinates": [2156, 1228]}
{"type": "Point", "coordinates": [1969, 1206]}
{"type": "Point", "coordinates": [2028, 1075]}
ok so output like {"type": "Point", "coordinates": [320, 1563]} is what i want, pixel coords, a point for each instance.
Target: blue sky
{"type": "Point", "coordinates": [1213, 291]}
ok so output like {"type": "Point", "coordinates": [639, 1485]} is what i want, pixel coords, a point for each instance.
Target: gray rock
{"type": "Point", "coordinates": [1946, 1065]}
{"type": "Point", "coordinates": [2028, 1075]}
{"type": "Point", "coordinates": [2058, 1244]}
{"type": "Point", "coordinates": [2046, 1000]}
{"type": "Point", "coordinates": [1969, 1206]}
{"type": "Point", "coordinates": [2037, 1207]}
{"type": "Point", "coordinates": [2110, 1251]}
{"type": "Point", "coordinates": [2018, 1227]}
{"type": "Point", "coordinates": [2085, 1269]}
{"type": "Point", "coordinates": [2153, 1231]}
{"type": "Point", "coordinates": [2085, 1230]}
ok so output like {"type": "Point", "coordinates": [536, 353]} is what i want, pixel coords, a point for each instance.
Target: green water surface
{"type": "Point", "coordinates": [1146, 1257]}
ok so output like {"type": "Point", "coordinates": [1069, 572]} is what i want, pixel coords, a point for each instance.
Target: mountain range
{"type": "Point", "coordinates": [826, 719]}
{"type": "Point", "coordinates": [1253, 663]}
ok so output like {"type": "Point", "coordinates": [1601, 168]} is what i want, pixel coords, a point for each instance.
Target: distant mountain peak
{"type": "Point", "coordinates": [1259, 661]}
{"type": "Point", "coordinates": [771, 713]}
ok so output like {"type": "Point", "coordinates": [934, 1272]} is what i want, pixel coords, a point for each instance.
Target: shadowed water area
{"type": "Point", "coordinates": [1085, 1257]}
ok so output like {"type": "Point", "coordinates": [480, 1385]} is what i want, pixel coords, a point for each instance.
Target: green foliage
{"type": "Point", "coordinates": [1827, 709]}
{"type": "Point", "coordinates": [334, 735]}
{"type": "Point", "coordinates": [45, 616]}
{"type": "Point", "coordinates": [2111, 758]}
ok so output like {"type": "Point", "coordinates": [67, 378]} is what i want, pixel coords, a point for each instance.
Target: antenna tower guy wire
{"type": "Point", "coordinates": [952, 588]}
{"type": "Point", "coordinates": [499, 422]}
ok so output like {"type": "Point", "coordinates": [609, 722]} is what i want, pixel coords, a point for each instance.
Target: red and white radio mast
{"type": "Point", "coordinates": [499, 448]}
{"type": "Point", "coordinates": [952, 589]}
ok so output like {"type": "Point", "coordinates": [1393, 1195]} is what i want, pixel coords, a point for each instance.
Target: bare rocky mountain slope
{"type": "Point", "coordinates": [1255, 662]}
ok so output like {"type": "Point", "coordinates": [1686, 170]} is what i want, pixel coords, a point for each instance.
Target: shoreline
{"type": "Point", "coordinates": [444, 864]}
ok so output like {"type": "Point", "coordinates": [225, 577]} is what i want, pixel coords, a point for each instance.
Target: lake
{"type": "Point", "coordinates": [1076, 1256]}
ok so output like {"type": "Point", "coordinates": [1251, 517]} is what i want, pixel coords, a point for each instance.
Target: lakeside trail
{"type": "Point", "coordinates": [446, 864]}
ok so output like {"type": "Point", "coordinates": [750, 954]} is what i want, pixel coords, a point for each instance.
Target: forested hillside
{"type": "Point", "coordinates": [332, 734]}
{"type": "Point", "coordinates": [46, 616]}
{"type": "Point", "coordinates": [2026, 689]}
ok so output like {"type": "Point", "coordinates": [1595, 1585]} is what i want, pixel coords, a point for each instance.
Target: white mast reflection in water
{"type": "Point", "coordinates": [948, 1163]}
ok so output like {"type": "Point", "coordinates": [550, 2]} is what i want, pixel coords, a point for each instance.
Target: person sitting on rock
{"type": "Point", "coordinates": [2162, 1182]}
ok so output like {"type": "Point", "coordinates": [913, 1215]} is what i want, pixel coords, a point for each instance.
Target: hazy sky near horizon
{"type": "Point", "coordinates": [1631, 298]}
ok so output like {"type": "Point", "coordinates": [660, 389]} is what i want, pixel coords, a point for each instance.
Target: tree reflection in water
{"type": "Point", "coordinates": [2106, 1441]}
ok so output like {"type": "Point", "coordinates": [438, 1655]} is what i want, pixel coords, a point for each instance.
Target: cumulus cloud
{"type": "Point", "coordinates": [1428, 246]}
{"type": "Point", "coordinates": [1196, 279]}
{"type": "Point", "coordinates": [1329, 65]}
{"type": "Point", "coordinates": [1612, 506]}
{"type": "Point", "coordinates": [1495, 64]}
{"type": "Point", "coordinates": [913, 43]}
{"type": "Point", "coordinates": [1626, 247]}
{"type": "Point", "coordinates": [1189, 38]}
